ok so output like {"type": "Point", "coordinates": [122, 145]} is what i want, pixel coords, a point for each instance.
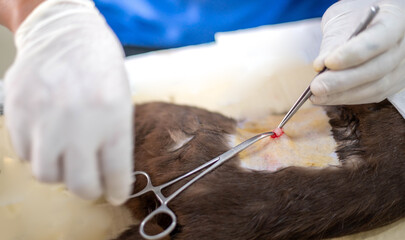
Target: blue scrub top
{"type": "Point", "coordinates": [176, 23]}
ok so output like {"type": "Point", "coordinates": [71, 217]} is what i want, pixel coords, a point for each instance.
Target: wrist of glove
{"type": "Point", "coordinates": [369, 67]}
{"type": "Point", "coordinates": [68, 106]}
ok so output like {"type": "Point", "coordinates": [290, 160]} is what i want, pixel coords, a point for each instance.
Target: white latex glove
{"type": "Point", "coordinates": [68, 106]}
{"type": "Point", "coordinates": [369, 67]}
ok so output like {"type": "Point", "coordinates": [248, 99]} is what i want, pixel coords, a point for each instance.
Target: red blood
{"type": "Point", "coordinates": [278, 132]}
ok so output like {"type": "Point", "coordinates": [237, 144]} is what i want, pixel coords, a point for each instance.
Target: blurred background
{"type": "Point", "coordinates": [7, 50]}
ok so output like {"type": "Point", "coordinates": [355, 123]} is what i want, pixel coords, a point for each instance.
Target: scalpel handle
{"type": "Point", "coordinates": [297, 105]}
{"type": "Point", "coordinates": [363, 25]}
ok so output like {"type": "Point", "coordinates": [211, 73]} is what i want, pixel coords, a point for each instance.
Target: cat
{"type": "Point", "coordinates": [366, 191]}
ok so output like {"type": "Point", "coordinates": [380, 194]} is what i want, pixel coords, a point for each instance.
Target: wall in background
{"type": "Point", "coordinates": [7, 50]}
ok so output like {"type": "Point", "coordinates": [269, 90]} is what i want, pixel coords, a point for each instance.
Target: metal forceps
{"type": "Point", "coordinates": [157, 190]}
{"type": "Point", "coordinates": [307, 93]}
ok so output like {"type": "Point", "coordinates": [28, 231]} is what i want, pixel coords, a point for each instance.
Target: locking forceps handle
{"type": "Point", "coordinates": [208, 166]}
{"type": "Point", "coordinates": [163, 209]}
{"type": "Point", "coordinates": [214, 163]}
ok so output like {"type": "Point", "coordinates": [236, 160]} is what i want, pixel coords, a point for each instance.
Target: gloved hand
{"type": "Point", "coordinates": [369, 67]}
{"type": "Point", "coordinates": [68, 105]}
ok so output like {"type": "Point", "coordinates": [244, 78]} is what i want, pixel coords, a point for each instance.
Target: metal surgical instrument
{"type": "Point", "coordinates": [307, 93]}
{"type": "Point", "coordinates": [157, 190]}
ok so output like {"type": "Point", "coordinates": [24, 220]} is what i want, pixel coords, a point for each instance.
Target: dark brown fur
{"type": "Point", "coordinates": [366, 192]}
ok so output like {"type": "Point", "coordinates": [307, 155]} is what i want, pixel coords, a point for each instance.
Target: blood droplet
{"type": "Point", "coordinates": [278, 132]}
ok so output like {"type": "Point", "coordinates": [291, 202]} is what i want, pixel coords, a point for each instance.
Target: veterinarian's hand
{"type": "Point", "coordinates": [369, 67]}
{"type": "Point", "coordinates": [68, 106]}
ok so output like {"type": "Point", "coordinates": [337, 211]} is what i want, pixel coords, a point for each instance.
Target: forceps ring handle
{"type": "Point", "coordinates": [147, 188]}
{"type": "Point", "coordinates": [163, 209]}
